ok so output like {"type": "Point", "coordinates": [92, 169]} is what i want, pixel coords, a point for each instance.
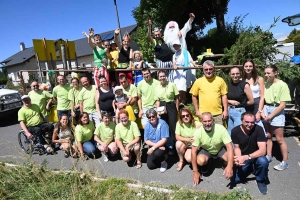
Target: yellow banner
{"type": "Point", "coordinates": [45, 50]}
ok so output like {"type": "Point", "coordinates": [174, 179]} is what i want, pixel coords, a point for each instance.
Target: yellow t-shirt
{"type": "Point", "coordinates": [61, 93]}
{"type": "Point", "coordinates": [85, 132]}
{"type": "Point", "coordinates": [40, 98]}
{"type": "Point", "coordinates": [147, 91]}
{"type": "Point", "coordinates": [277, 92]}
{"type": "Point", "coordinates": [209, 92]}
{"type": "Point", "coordinates": [186, 130]}
{"type": "Point", "coordinates": [31, 116]}
{"type": "Point", "coordinates": [166, 93]}
{"type": "Point", "coordinates": [114, 54]}
{"type": "Point", "coordinates": [105, 133]}
{"type": "Point", "coordinates": [127, 133]}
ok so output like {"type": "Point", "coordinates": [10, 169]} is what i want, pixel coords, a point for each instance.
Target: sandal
{"type": "Point", "coordinates": [180, 165]}
{"type": "Point", "coordinates": [138, 165]}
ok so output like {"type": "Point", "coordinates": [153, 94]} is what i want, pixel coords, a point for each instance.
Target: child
{"type": "Point", "coordinates": [139, 63]}
{"type": "Point", "coordinates": [100, 53]}
{"type": "Point", "coordinates": [120, 98]}
{"type": "Point", "coordinates": [114, 55]}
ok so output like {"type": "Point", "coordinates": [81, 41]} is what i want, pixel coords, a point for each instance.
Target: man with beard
{"type": "Point", "coordinates": [173, 33]}
{"type": "Point", "coordinates": [250, 149]}
{"type": "Point", "coordinates": [212, 93]}
{"type": "Point", "coordinates": [211, 138]}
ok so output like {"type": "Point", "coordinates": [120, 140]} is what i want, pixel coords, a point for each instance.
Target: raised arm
{"type": "Point", "coordinates": [90, 38]}
{"type": "Point", "coordinates": [117, 32]}
{"type": "Point", "coordinates": [149, 30]}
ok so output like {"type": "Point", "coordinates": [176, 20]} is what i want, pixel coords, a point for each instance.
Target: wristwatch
{"type": "Point", "coordinates": [249, 157]}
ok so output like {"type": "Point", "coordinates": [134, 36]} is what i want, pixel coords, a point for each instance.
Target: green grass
{"type": "Point", "coordinates": [38, 182]}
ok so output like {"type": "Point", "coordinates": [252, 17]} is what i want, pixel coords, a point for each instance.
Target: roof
{"type": "Point", "coordinates": [82, 47]}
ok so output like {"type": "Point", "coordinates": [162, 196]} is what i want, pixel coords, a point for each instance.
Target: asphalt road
{"type": "Point", "coordinates": [284, 184]}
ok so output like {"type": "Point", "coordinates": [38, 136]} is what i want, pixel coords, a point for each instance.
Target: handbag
{"type": "Point", "coordinates": [161, 110]}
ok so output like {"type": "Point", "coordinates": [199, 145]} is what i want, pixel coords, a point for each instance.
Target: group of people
{"type": "Point", "coordinates": [106, 115]}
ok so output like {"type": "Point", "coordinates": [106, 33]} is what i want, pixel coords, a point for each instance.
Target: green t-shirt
{"type": "Point", "coordinates": [276, 92]}
{"type": "Point", "coordinates": [166, 93]}
{"type": "Point", "coordinates": [212, 141]}
{"type": "Point", "coordinates": [40, 98]}
{"type": "Point", "coordinates": [105, 133]}
{"type": "Point", "coordinates": [87, 96]}
{"type": "Point", "coordinates": [84, 133]}
{"type": "Point", "coordinates": [31, 116]}
{"type": "Point", "coordinates": [186, 130]}
{"type": "Point", "coordinates": [147, 92]}
{"type": "Point", "coordinates": [61, 93]}
{"type": "Point", "coordinates": [127, 133]}
{"type": "Point", "coordinates": [75, 93]}
{"type": "Point", "coordinates": [131, 90]}
{"type": "Point", "coordinates": [99, 55]}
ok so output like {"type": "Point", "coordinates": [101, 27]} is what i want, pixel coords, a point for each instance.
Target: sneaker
{"type": "Point", "coordinates": [105, 158]}
{"type": "Point", "coordinates": [262, 187]}
{"type": "Point", "coordinates": [163, 167]}
{"type": "Point", "coordinates": [269, 158]}
{"type": "Point", "coordinates": [282, 166]}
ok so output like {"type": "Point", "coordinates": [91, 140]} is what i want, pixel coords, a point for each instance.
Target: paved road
{"type": "Point", "coordinates": [284, 185]}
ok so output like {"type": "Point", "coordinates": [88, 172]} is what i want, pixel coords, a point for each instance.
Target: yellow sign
{"type": "Point", "coordinates": [208, 50]}
{"type": "Point", "coordinates": [45, 49]}
{"type": "Point", "coordinates": [69, 49]}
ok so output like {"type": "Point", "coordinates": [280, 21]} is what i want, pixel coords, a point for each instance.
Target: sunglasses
{"type": "Point", "coordinates": [187, 115]}
{"type": "Point", "coordinates": [209, 69]}
{"type": "Point", "coordinates": [35, 86]}
{"type": "Point", "coordinates": [152, 116]}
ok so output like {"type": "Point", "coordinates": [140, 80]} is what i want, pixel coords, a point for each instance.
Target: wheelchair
{"type": "Point", "coordinates": [35, 145]}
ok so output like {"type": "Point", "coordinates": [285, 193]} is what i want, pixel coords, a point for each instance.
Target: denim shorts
{"type": "Point", "coordinates": [278, 120]}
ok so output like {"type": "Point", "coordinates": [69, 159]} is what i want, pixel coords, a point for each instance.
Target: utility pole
{"type": "Point", "coordinates": [115, 1]}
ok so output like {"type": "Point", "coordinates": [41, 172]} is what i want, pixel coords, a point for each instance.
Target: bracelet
{"type": "Point", "coordinates": [260, 111]}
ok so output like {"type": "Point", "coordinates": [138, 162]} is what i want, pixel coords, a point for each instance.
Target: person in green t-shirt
{"type": "Point", "coordinates": [104, 135]}
{"type": "Point", "coordinates": [128, 138]}
{"type": "Point", "coordinates": [41, 98]}
{"type": "Point", "coordinates": [211, 138]}
{"type": "Point", "coordinates": [276, 95]}
{"type": "Point", "coordinates": [60, 95]}
{"type": "Point", "coordinates": [185, 128]}
{"type": "Point", "coordinates": [84, 133]}
{"type": "Point", "coordinates": [32, 121]}
{"type": "Point", "coordinates": [146, 91]}
{"type": "Point", "coordinates": [73, 98]}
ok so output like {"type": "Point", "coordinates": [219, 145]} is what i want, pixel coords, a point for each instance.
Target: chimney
{"type": "Point", "coordinates": [22, 46]}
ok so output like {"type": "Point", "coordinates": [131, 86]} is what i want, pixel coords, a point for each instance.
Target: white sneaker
{"type": "Point", "coordinates": [282, 166]}
{"type": "Point", "coordinates": [163, 167]}
{"type": "Point", "coordinates": [105, 158]}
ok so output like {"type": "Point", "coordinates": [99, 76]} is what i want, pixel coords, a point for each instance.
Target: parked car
{"type": "Point", "coordinates": [10, 102]}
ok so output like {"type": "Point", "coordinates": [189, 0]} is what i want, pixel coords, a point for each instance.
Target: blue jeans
{"type": "Point", "coordinates": [257, 166]}
{"type": "Point", "coordinates": [234, 118]}
{"type": "Point", "coordinates": [89, 147]}
{"type": "Point", "coordinates": [60, 112]}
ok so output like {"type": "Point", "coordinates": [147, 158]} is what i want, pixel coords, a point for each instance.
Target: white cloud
{"type": "Point", "coordinates": [277, 34]}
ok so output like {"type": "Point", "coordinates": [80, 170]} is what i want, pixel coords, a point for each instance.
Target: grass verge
{"type": "Point", "coordinates": [31, 181]}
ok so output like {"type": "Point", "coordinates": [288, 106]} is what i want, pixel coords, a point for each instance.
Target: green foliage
{"type": "Point", "coordinates": [294, 36]}
{"type": "Point", "coordinates": [144, 45]}
{"type": "Point", "coordinates": [32, 181]}
{"type": "Point", "coordinates": [253, 43]}
{"type": "Point", "coordinates": [10, 85]}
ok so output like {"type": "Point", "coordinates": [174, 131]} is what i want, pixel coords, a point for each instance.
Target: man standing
{"type": "Point", "coordinates": [211, 138]}
{"type": "Point", "coordinates": [212, 93]}
{"type": "Point", "coordinates": [146, 91]}
{"type": "Point", "coordinates": [60, 93]}
{"type": "Point", "coordinates": [41, 98]}
{"type": "Point", "coordinates": [87, 100]}
{"type": "Point", "coordinates": [31, 119]}
{"type": "Point", "coordinates": [250, 149]}
{"type": "Point", "coordinates": [131, 91]}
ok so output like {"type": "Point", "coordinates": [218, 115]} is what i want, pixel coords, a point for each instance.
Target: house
{"type": "Point", "coordinates": [25, 59]}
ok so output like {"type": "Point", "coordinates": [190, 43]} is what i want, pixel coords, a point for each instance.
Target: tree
{"type": "Point", "coordinates": [161, 12]}
{"type": "Point", "coordinates": [294, 36]}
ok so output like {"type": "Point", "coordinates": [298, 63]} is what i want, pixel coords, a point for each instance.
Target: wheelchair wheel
{"type": "Point", "coordinates": [25, 143]}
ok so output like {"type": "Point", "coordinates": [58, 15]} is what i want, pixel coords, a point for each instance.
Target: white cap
{"type": "Point", "coordinates": [25, 97]}
{"type": "Point", "coordinates": [176, 42]}
{"type": "Point", "coordinates": [118, 88]}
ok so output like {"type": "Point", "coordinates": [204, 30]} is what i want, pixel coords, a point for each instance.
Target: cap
{"type": "Point", "coordinates": [122, 74]}
{"type": "Point", "coordinates": [176, 42]}
{"type": "Point", "coordinates": [112, 42]}
{"type": "Point", "coordinates": [118, 88]}
{"type": "Point", "coordinates": [25, 97]}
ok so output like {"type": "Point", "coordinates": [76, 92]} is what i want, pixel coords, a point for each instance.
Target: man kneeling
{"type": "Point", "coordinates": [211, 139]}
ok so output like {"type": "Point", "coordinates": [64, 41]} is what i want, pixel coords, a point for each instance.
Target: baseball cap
{"type": "Point", "coordinates": [118, 88]}
{"type": "Point", "coordinates": [176, 42]}
{"type": "Point", "coordinates": [122, 74]}
{"type": "Point", "coordinates": [25, 97]}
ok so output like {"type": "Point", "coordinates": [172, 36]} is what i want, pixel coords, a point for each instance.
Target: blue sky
{"type": "Point", "coordinates": [22, 21]}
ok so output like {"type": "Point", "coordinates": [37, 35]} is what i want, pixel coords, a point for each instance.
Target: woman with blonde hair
{"type": "Point", "coordinates": [139, 63]}
{"type": "Point", "coordinates": [185, 128]}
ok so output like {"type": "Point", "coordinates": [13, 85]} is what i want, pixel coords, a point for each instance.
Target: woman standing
{"type": "Point", "coordinates": [125, 54]}
{"type": "Point", "coordinates": [166, 97]}
{"type": "Point", "coordinates": [104, 98]}
{"type": "Point", "coordinates": [84, 133]}
{"type": "Point", "coordinates": [277, 94]}
{"type": "Point", "coordinates": [185, 129]}
{"type": "Point", "coordinates": [62, 134]}
{"type": "Point", "coordinates": [156, 135]}
{"type": "Point", "coordinates": [128, 138]}
{"type": "Point", "coordinates": [73, 97]}
{"type": "Point", "coordinates": [239, 96]}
